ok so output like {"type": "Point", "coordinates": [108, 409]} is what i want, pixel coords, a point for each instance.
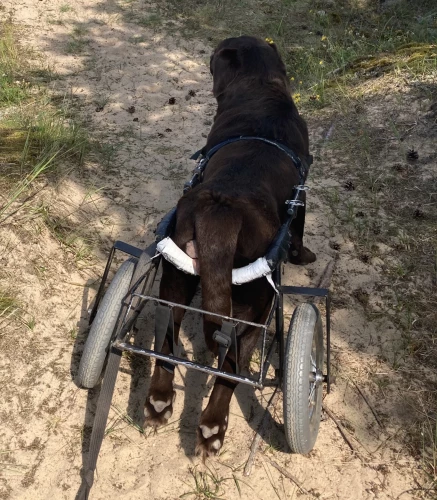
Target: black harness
{"type": "Point", "coordinates": [203, 161]}
{"type": "Point", "coordinates": [226, 337]}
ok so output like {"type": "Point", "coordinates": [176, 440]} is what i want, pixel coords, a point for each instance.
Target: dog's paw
{"type": "Point", "coordinates": [305, 256]}
{"type": "Point", "coordinates": [210, 438]}
{"type": "Point", "coordinates": [158, 410]}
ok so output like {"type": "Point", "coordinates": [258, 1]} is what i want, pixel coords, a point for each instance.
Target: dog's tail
{"type": "Point", "coordinates": [217, 226]}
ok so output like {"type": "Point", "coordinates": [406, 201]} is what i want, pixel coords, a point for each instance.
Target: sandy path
{"type": "Point", "coordinates": [43, 412]}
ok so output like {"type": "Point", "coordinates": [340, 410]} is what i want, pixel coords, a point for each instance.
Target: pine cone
{"type": "Point", "coordinates": [412, 154]}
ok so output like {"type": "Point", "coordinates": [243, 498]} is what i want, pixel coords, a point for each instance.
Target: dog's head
{"type": "Point", "coordinates": [246, 56]}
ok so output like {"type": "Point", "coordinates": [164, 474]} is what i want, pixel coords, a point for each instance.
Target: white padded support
{"type": "Point", "coordinates": [171, 252]}
{"type": "Point", "coordinates": [251, 272]}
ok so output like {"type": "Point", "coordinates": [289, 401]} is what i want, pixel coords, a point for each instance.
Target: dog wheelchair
{"type": "Point", "coordinates": [301, 358]}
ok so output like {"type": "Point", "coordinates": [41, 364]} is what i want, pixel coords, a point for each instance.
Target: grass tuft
{"type": "Point", "coordinates": [39, 135]}
{"type": "Point", "coordinates": [207, 485]}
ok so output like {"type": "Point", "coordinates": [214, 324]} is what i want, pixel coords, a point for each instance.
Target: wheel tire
{"type": "Point", "coordinates": [303, 355]}
{"type": "Point", "coordinates": [102, 329]}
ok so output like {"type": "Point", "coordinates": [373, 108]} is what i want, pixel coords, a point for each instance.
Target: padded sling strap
{"type": "Point", "coordinates": [103, 405]}
{"type": "Point", "coordinates": [164, 327]}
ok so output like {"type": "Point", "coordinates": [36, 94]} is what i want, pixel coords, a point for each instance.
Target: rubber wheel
{"type": "Point", "coordinates": [100, 335]}
{"type": "Point", "coordinates": [303, 378]}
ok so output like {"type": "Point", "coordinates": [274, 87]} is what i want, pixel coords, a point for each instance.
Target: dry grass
{"type": "Point", "coordinates": [39, 135]}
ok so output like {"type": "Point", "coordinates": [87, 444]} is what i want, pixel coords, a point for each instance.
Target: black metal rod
{"type": "Point", "coordinates": [328, 343]}
{"type": "Point", "coordinates": [303, 290]}
{"type": "Point", "coordinates": [267, 361]}
{"type": "Point", "coordinates": [274, 382]}
{"type": "Point", "coordinates": [263, 371]}
{"type": "Point", "coordinates": [102, 285]}
{"type": "Point", "coordinates": [129, 249]}
{"type": "Point", "coordinates": [202, 311]}
{"type": "Point", "coordinates": [125, 248]}
{"type": "Point", "coordinates": [184, 362]}
{"type": "Point", "coordinates": [279, 321]}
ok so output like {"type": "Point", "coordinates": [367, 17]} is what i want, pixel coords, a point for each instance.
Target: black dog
{"type": "Point", "coordinates": [230, 218]}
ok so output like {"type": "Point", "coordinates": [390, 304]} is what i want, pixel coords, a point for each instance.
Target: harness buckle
{"type": "Point", "coordinates": [226, 339]}
{"type": "Point", "coordinates": [222, 339]}
{"type": "Point", "coordinates": [292, 205]}
{"type": "Point", "coordinates": [197, 174]}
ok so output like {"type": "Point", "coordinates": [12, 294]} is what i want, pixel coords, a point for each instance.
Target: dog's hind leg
{"type": "Point", "coordinates": [298, 254]}
{"type": "Point", "coordinates": [180, 288]}
{"type": "Point", "coordinates": [254, 305]}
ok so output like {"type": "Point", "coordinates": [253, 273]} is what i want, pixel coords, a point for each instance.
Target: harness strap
{"type": "Point", "coordinates": [164, 327]}
{"type": "Point", "coordinates": [98, 432]}
{"type": "Point", "coordinates": [226, 339]}
{"type": "Point", "coordinates": [290, 153]}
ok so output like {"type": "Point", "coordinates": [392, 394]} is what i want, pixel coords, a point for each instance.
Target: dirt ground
{"type": "Point", "coordinates": [46, 418]}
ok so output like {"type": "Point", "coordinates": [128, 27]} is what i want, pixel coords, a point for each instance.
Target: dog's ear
{"type": "Point", "coordinates": [281, 63]}
{"type": "Point", "coordinates": [273, 46]}
{"type": "Point", "coordinates": [223, 65]}
{"type": "Point", "coordinates": [228, 55]}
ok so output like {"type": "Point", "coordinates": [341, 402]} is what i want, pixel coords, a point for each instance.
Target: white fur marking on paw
{"type": "Point", "coordinates": [146, 413]}
{"type": "Point", "coordinates": [226, 419]}
{"type": "Point", "coordinates": [167, 414]}
{"type": "Point", "coordinates": [207, 432]}
{"type": "Point", "coordinates": [224, 427]}
{"type": "Point", "coordinates": [159, 405]}
{"type": "Point", "coordinates": [216, 444]}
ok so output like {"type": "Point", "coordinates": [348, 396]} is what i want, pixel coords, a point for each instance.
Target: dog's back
{"type": "Point", "coordinates": [236, 211]}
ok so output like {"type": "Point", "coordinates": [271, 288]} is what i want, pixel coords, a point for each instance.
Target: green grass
{"type": "Point", "coordinates": [65, 8]}
{"type": "Point", "coordinates": [13, 88]}
{"type": "Point", "coordinates": [9, 305]}
{"type": "Point", "coordinates": [207, 484]}
{"type": "Point", "coordinates": [39, 136]}
{"type": "Point", "coordinates": [324, 46]}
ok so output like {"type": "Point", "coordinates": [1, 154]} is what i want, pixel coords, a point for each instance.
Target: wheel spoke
{"type": "Point", "coordinates": [311, 395]}
{"type": "Point", "coordinates": [313, 363]}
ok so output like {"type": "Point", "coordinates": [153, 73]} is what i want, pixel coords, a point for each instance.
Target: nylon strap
{"type": "Point", "coordinates": [289, 152]}
{"type": "Point", "coordinates": [226, 339]}
{"type": "Point", "coordinates": [98, 432]}
{"type": "Point", "coordinates": [164, 327]}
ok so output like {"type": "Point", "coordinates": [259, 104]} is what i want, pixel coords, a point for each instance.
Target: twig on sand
{"type": "Point", "coordinates": [257, 439]}
{"type": "Point", "coordinates": [339, 427]}
{"type": "Point", "coordinates": [289, 475]}
{"type": "Point", "coordinates": [325, 279]}
{"type": "Point", "coordinates": [369, 405]}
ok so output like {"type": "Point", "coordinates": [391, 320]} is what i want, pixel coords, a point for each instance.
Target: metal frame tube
{"type": "Point", "coordinates": [279, 321]}
{"type": "Point", "coordinates": [125, 248]}
{"type": "Point", "coordinates": [102, 285]}
{"type": "Point", "coordinates": [123, 346]}
{"type": "Point", "coordinates": [202, 311]}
